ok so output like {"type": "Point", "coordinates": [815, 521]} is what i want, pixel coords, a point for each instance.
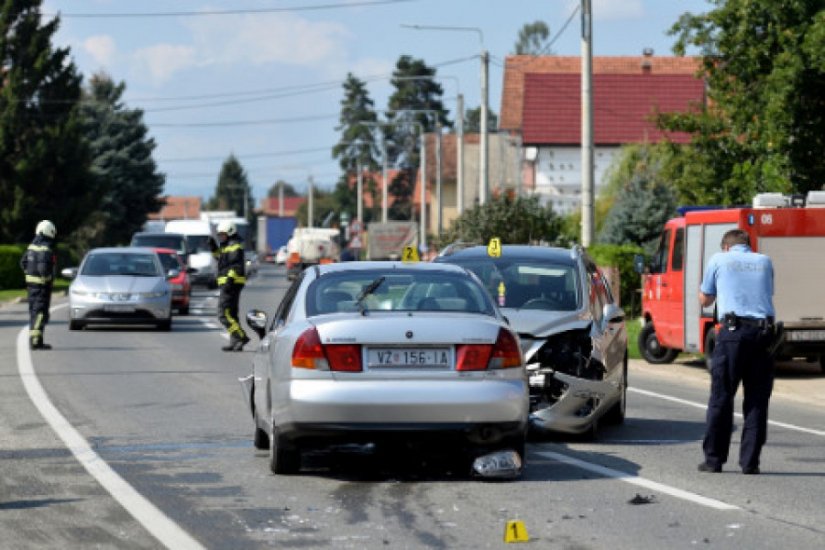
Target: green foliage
{"type": "Point", "coordinates": [289, 190]}
{"type": "Point", "coordinates": [532, 39]}
{"type": "Point", "coordinates": [231, 190]}
{"type": "Point", "coordinates": [44, 160]}
{"type": "Point", "coordinates": [11, 275]}
{"type": "Point", "coordinates": [122, 165]}
{"type": "Point", "coordinates": [357, 146]}
{"type": "Point", "coordinates": [643, 203]}
{"type": "Point", "coordinates": [621, 257]}
{"type": "Point", "coordinates": [515, 220]}
{"type": "Point", "coordinates": [765, 128]}
{"type": "Point", "coordinates": [323, 202]}
{"type": "Point", "coordinates": [472, 121]}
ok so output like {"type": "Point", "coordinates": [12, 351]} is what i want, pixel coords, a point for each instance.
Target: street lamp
{"type": "Point", "coordinates": [483, 180]}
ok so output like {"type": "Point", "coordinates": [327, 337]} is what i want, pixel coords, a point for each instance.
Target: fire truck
{"type": "Point", "coordinates": [789, 229]}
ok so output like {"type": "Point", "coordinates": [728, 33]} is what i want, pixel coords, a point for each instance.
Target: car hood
{"type": "Point", "coordinates": [539, 323]}
{"type": "Point", "coordinates": [119, 283]}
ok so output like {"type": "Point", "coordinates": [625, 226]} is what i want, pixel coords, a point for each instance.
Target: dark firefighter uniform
{"type": "Point", "coordinates": [231, 280]}
{"type": "Point", "coordinates": [38, 265]}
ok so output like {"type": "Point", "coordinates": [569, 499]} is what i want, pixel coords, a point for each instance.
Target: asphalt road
{"type": "Point", "coordinates": [164, 414]}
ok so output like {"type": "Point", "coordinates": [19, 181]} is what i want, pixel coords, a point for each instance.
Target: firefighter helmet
{"type": "Point", "coordinates": [227, 227]}
{"type": "Point", "coordinates": [46, 228]}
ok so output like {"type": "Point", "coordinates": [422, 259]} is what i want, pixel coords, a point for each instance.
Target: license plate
{"type": "Point", "coordinates": [438, 358]}
{"type": "Point", "coordinates": [806, 335]}
{"type": "Point", "coordinates": [119, 308]}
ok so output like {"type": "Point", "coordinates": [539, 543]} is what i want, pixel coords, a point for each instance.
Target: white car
{"type": "Point", "coordinates": [280, 255]}
{"type": "Point", "coordinates": [120, 286]}
{"type": "Point", "coordinates": [388, 353]}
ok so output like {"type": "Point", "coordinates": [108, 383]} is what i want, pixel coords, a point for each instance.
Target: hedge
{"type": "Point", "coordinates": [11, 276]}
{"type": "Point", "coordinates": [621, 257]}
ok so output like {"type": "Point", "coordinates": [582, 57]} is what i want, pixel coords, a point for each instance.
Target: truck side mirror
{"type": "Point", "coordinates": [639, 263]}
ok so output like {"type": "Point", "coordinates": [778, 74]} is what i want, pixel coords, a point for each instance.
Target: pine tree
{"type": "Point", "coordinates": [44, 160]}
{"type": "Point", "coordinates": [232, 189]}
{"type": "Point", "coordinates": [122, 164]}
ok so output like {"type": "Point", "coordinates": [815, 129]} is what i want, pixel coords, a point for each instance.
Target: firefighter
{"type": "Point", "coordinates": [231, 279]}
{"type": "Point", "coordinates": [38, 264]}
{"type": "Point", "coordinates": [741, 283]}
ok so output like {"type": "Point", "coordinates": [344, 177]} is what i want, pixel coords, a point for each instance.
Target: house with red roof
{"type": "Point", "coordinates": [178, 208]}
{"type": "Point", "coordinates": [541, 103]}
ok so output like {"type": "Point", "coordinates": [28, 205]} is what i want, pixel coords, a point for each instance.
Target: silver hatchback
{"type": "Point", "coordinates": [368, 352]}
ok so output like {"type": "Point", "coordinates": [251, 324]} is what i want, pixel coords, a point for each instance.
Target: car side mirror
{"type": "Point", "coordinates": [172, 273]}
{"type": "Point", "coordinates": [613, 314]}
{"type": "Point", "coordinates": [256, 319]}
{"type": "Point", "coordinates": [69, 273]}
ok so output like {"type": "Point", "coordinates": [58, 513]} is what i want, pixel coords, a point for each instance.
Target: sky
{"type": "Point", "coordinates": [264, 83]}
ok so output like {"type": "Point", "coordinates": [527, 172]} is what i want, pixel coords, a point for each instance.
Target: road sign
{"type": "Point", "coordinates": [355, 242]}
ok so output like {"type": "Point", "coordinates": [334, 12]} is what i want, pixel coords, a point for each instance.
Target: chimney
{"type": "Point", "coordinates": [647, 61]}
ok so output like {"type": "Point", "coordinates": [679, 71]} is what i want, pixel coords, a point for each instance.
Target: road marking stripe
{"type": "Point", "coordinates": [214, 326]}
{"type": "Point", "coordinates": [147, 514]}
{"type": "Point", "coordinates": [738, 415]}
{"type": "Point", "coordinates": [639, 481]}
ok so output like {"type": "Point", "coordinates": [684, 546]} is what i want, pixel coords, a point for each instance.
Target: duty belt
{"type": "Point", "coordinates": [733, 321]}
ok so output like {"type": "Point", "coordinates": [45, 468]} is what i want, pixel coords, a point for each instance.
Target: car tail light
{"type": "Point", "coordinates": [344, 357]}
{"type": "Point", "coordinates": [309, 353]}
{"type": "Point", "coordinates": [472, 356]}
{"type": "Point", "coordinates": [506, 351]}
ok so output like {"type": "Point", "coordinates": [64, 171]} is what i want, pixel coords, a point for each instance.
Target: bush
{"type": "Point", "coordinates": [621, 257]}
{"type": "Point", "coordinates": [11, 276]}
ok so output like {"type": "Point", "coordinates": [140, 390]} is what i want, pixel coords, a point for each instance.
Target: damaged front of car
{"type": "Point", "coordinates": [572, 382]}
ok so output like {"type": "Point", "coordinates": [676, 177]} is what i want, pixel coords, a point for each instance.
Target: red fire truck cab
{"type": "Point", "coordinates": [791, 230]}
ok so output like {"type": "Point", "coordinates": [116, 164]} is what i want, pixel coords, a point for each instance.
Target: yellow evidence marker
{"type": "Point", "coordinates": [516, 531]}
{"type": "Point", "coordinates": [494, 248]}
{"type": "Point", "coordinates": [410, 254]}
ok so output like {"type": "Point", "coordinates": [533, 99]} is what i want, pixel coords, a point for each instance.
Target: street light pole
{"type": "Point", "coordinates": [587, 124]}
{"type": "Point", "coordinates": [310, 206]}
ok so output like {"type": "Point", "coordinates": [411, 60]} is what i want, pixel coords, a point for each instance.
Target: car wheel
{"type": "Point", "coordinates": [710, 343]}
{"type": "Point", "coordinates": [165, 325]}
{"type": "Point", "coordinates": [650, 348]}
{"type": "Point", "coordinates": [283, 459]}
{"type": "Point", "coordinates": [75, 325]}
{"type": "Point", "coordinates": [261, 439]}
{"type": "Point", "coordinates": [616, 413]}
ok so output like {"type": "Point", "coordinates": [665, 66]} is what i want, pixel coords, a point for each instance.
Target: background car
{"type": "Point", "coordinates": [280, 255]}
{"type": "Point", "coordinates": [120, 286]}
{"type": "Point", "coordinates": [571, 329]}
{"type": "Point", "coordinates": [181, 285]}
{"type": "Point", "coordinates": [383, 353]}
{"type": "Point", "coordinates": [175, 241]}
{"type": "Point", "coordinates": [252, 262]}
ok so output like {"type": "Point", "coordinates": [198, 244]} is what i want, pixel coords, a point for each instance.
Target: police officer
{"type": "Point", "coordinates": [231, 279]}
{"type": "Point", "coordinates": [38, 265]}
{"type": "Point", "coordinates": [741, 282]}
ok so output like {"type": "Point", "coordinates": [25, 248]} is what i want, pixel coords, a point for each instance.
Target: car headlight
{"type": "Point", "coordinates": [78, 292]}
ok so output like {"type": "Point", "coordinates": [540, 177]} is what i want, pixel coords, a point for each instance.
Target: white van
{"type": "Point", "coordinates": [198, 234]}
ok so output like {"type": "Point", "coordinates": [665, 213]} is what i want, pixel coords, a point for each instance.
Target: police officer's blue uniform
{"type": "Point", "coordinates": [742, 282]}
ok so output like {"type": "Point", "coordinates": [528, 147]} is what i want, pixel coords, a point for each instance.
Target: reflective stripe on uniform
{"type": "Point", "coordinates": [231, 248]}
{"type": "Point", "coordinates": [38, 322]}
{"type": "Point", "coordinates": [233, 323]}
{"type": "Point", "coordinates": [38, 247]}
{"type": "Point", "coordinates": [35, 280]}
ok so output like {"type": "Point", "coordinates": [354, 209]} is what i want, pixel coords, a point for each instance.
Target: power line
{"type": "Point", "coordinates": [226, 123]}
{"type": "Point", "coordinates": [249, 156]}
{"type": "Point", "coordinates": [317, 7]}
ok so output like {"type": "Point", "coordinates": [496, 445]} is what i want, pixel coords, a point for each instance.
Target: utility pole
{"type": "Point", "coordinates": [438, 214]}
{"type": "Point", "coordinates": [384, 183]}
{"type": "Point", "coordinates": [281, 200]}
{"type": "Point", "coordinates": [484, 181]}
{"type": "Point", "coordinates": [587, 124]}
{"type": "Point", "coordinates": [459, 136]}
{"type": "Point", "coordinates": [359, 208]}
{"type": "Point", "coordinates": [310, 192]}
{"type": "Point", "coordinates": [423, 170]}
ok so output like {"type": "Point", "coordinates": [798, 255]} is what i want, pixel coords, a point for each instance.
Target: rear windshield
{"type": "Point", "coordinates": [169, 261]}
{"type": "Point", "coordinates": [115, 263]}
{"type": "Point", "coordinates": [198, 243]}
{"type": "Point", "coordinates": [529, 283]}
{"type": "Point", "coordinates": [159, 241]}
{"type": "Point", "coordinates": [396, 290]}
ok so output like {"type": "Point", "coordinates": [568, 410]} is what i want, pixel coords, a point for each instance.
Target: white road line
{"type": "Point", "coordinates": [639, 481]}
{"type": "Point", "coordinates": [147, 514]}
{"type": "Point", "coordinates": [738, 415]}
{"type": "Point", "coordinates": [214, 326]}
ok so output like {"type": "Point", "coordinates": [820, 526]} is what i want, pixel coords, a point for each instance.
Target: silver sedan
{"type": "Point", "coordinates": [120, 286]}
{"type": "Point", "coordinates": [383, 352]}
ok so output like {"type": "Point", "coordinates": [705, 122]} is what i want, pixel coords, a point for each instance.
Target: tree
{"type": "Point", "coordinates": [44, 160]}
{"type": "Point", "coordinates": [515, 220]}
{"type": "Point", "coordinates": [643, 200]}
{"type": "Point", "coordinates": [472, 121]}
{"type": "Point", "coordinates": [289, 189]}
{"type": "Point", "coordinates": [532, 39]}
{"type": "Point", "coordinates": [765, 69]}
{"type": "Point", "coordinates": [232, 189]}
{"type": "Point", "coordinates": [357, 143]}
{"type": "Point", "coordinates": [122, 164]}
